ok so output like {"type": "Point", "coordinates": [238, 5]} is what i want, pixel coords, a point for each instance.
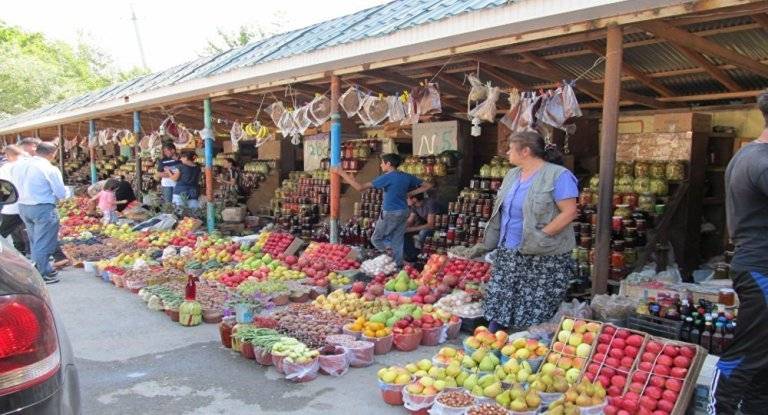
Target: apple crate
{"type": "Point", "coordinates": [656, 326]}
{"type": "Point", "coordinates": [685, 394]}
{"type": "Point", "coordinates": [611, 336]}
{"type": "Point", "coordinates": [561, 345]}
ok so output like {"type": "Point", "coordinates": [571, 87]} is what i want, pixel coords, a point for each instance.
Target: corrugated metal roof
{"type": "Point", "coordinates": [372, 22]}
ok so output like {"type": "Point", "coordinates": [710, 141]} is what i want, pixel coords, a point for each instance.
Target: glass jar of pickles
{"type": "Point", "coordinates": [659, 170]}
{"type": "Point", "coordinates": [659, 187]}
{"type": "Point", "coordinates": [624, 168]}
{"type": "Point", "coordinates": [646, 202]}
{"type": "Point", "coordinates": [642, 169]}
{"type": "Point", "coordinates": [622, 211]}
{"type": "Point", "coordinates": [642, 185]}
{"type": "Point", "coordinates": [675, 170]}
{"type": "Point", "coordinates": [586, 197]}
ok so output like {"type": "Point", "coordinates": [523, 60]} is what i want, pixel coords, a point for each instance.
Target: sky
{"type": "Point", "coordinates": [172, 31]}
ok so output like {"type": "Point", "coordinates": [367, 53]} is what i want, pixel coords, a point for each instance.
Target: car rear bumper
{"type": "Point", "coordinates": [46, 398]}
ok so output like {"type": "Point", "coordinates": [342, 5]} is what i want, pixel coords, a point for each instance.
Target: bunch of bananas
{"type": "Point", "coordinates": [129, 140]}
{"type": "Point", "coordinates": [256, 131]}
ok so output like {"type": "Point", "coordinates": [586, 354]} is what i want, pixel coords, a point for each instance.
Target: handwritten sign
{"type": "Point", "coordinates": [316, 148]}
{"type": "Point", "coordinates": [435, 137]}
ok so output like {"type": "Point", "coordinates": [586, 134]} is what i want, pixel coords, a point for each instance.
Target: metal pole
{"type": "Point", "coordinates": [335, 157]}
{"type": "Point", "coordinates": [208, 138]}
{"type": "Point", "coordinates": [610, 124]}
{"type": "Point", "coordinates": [61, 151]}
{"type": "Point", "coordinates": [18, 137]}
{"type": "Point", "coordinates": [137, 152]}
{"type": "Point", "coordinates": [92, 149]}
{"type": "Point", "coordinates": [37, 133]}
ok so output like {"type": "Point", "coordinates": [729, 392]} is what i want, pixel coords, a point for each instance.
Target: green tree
{"type": "Point", "coordinates": [245, 34]}
{"type": "Point", "coordinates": [35, 71]}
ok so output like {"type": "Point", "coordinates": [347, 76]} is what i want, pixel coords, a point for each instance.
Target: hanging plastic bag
{"type": "Point", "coordinates": [486, 110]}
{"type": "Point", "coordinates": [320, 110]}
{"type": "Point", "coordinates": [351, 101]}
{"type": "Point", "coordinates": [364, 114]}
{"type": "Point", "coordinates": [396, 108]}
{"type": "Point", "coordinates": [376, 109]}
{"type": "Point", "coordinates": [287, 124]}
{"type": "Point", "coordinates": [514, 109]}
{"type": "Point", "coordinates": [301, 119]}
{"type": "Point", "coordinates": [275, 112]}
{"type": "Point", "coordinates": [478, 91]}
{"type": "Point", "coordinates": [552, 111]}
{"type": "Point", "coordinates": [236, 134]}
{"type": "Point", "coordinates": [570, 103]}
{"type": "Point", "coordinates": [411, 114]}
{"type": "Point", "coordinates": [427, 100]}
{"type": "Point", "coordinates": [525, 116]}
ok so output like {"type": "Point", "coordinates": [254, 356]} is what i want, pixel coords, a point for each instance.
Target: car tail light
{"type": "Point", "coordinates": [29, 347]}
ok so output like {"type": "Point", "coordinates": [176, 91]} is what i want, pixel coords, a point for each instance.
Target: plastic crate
{"type": "Point", "coordinates": [656, 326]}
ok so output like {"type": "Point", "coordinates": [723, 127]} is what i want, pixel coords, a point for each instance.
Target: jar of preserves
{"type": "Point", "coordinates": [642, 185]}
{"type": "Point", "coordinates": [622, 211]}
{"type": "Point", "coordinates": [630, 256]}
{"type": "Point", "coordinates": [659, 187]}
{"type": "Point", "coordinates": [630, 199]}
{"type": "Point", "coordinates": [625, 184]}
{"type": "Point", "coordinates": [624, 168]}
{"type": "Point", "coordinates": [726, 297]}
{"type": "Point", "coordinates": [594, 183]}
{"type": "Point", "coordinates": [485, 171]}
{"type": "Point", "coordinates": [642, 169]}
{"type": "Point", "coordinates": [658, 170]}
{"type": "Point", "coordinates": [617, 259]}
{"type": "Point", "coordinates": [646, 202]}
{"type": "Point", "coordinates": [675, 170]}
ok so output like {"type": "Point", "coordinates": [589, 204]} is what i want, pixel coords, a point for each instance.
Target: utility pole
{"type": "Point", "coordinates": [138, 39]}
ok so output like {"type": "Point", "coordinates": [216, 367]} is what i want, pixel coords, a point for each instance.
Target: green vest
{"type": "Point", "coordinates": [539, 210]}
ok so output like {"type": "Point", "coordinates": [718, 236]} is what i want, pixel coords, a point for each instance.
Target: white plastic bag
{"type": "Point", "coordinates": [376, 110]}
{"type": "Point", "coordinates": [297, 372]}
{"type": "Point", "coordinates": [161, 222]}
{"type": "Point", "coordinates": [301, 119]}
{"type": "Point", "coordinates": [396, 108]}
{"type": "Point", "coordinates": [275, 112]}
{"type": "Point", "coordinates": [320, 110]}
{"type": "Point", "coordinates": [486, 110]}
{"type": "Point", "coordinates": [351, 101]}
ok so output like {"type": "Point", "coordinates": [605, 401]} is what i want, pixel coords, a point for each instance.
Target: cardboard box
{"type": "Point", "coordinates": [679, 122]}
{"type": "Point", "coordinates": [227, 146]}
{"type": "Point", "coordinates": [270, 150]}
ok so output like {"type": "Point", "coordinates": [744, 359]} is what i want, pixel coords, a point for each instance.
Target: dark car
{"type": "Point", "coordinates": [37, 370]}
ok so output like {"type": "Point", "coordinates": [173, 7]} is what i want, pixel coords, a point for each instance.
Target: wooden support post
{"type": "Point", "coordinates": [37, 133]}
{"type": "Point", "coordinates": [610, 124]}
{"type": "Point", "coordinates": [335, 146]}
{"type": "Point", "coordinates": [137, 152]}
{"type": "Point", "coordinates": [92, 149]}
{"type": "Point", "coordinates": [208, 139]}
{"type": "Point", "coordinates": [60, 129]}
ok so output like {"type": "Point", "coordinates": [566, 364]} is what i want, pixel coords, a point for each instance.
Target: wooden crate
{"type": "Point", "coordinates": [593, 344]}
{"type": "Point", "coordinates": [603, 364]}
{"type": "Point", "coordinates": [689, 383]}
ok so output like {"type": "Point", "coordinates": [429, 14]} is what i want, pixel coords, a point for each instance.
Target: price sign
{"type": "Point", "coordinates": [435, 137]}
{"type": "Point", "coordinates": [316, 148]}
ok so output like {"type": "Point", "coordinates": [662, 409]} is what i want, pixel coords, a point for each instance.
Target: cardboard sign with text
{"type": "Point", "coordinates": [435, 137]}
{"type": "Point", "coordinates": [316, 148]}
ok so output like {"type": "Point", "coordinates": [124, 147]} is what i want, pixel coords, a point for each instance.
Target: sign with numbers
{"type": "Point", "coordinates": [435, 137]}
{"type": "Point", "coordinates": [316, 148]}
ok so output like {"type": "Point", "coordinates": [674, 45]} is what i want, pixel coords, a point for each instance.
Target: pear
{"type": "Point", "coordinates": [583, 400]}
{"type": "Point", "coordinates": [492, 390]}
{"type": "Point", "coordinates": [517, 392]}
{"type": "Point", "coordinates": [504, 399]}
{"type": "Point", "coordinates": [468, 362]}
{"type": "Point", "coordinates": [453, 370]}
{"type": "Point", "coordinates": [571, 395]}
{"type": "Point", "coordinates": [533, 399]}
{"type": "Point", "coordinates": [479, 355]}
{"type": "Point", "coordinates": [518, 405]}
{"type": "Point", "coordinates": [470, 382]}
{"type": "Point", "coordinates": [511, 366]}
{"type": "Point", "coordinates": [560, 385]}
{"type": "Point", "coordinates": [450, 383]}
{"type": "Point", "coordinates": [477, 390]}
{"type": "Point", "coordinates": [556, 411]}
{"type": "Point", "coordinates": [486, 380]}
{"type": "Point", "coordinates": [572, 410]}
{"type": "Point", "coordinates": [538, 386]}
{"type": "Point", "coordinates": [499, 372]}
{"type": "Point", "coordinates": [460, 378]}
{"type": "Point", "coordinates": [547, 380]}
{"type": "Point", "coordinates": [487, 364]}
{"type": "Point", "coordinates": [510, 378]}
{"type": "Point", "coordinates": [599, 391]}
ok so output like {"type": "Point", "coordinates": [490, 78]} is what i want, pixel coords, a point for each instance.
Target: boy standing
{"type": "Point", "coordinates": [397, 186]}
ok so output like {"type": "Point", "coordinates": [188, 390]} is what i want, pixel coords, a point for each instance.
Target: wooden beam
{"type": "Point", "coordinates": [684, 38]}
{"type": "Point", "coordinates": [609, 129]}
{"type": "Point", "coordinates": [502, 78]}
{"type": "Point", "coordinates": [713, 97]}
{"type": "Point", "coordinates": [634, 72]}
{"type": "Point", "coordinates": [718, 74]}
{"type": "Point", "coordinates": [761, 19]}
{"type": "Point", "coordinates": [402, 80]}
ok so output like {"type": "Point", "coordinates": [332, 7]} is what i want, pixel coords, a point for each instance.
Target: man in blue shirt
{"type": "Point", "coordinates": [40, 186]}
{"type": "Point", "coordinates": [389, 230]}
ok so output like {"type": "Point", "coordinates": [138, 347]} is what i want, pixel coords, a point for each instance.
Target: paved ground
{"type": "Point", "coordinates": [136, 361]}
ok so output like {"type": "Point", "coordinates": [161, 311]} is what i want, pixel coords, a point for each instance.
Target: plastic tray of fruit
{"type": "Point", "coordinates": [663, 379]}
{"type": "Point", "coordinates": [616, 353]}
{"type": "Point", "coordinates": [572, 346]}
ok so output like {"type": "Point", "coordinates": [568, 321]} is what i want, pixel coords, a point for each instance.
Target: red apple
{"type": "Point", "coordinates": [648, 357]}
{"type": "Point", "coordinates": [616, 353]}
{"type": "Point", "coordinates": [678, 372]}
{"type": "Point", "coordinates": [604, 380]}
{"type": "Point", "coordinates": [629, 405]}
{"type": "Point", "coordinates": [602, 348]}
{"type": "Point", "coordinates": [657, 381]}
{"type": "Point", "coordinates": [664, 360]}
{"type": "Point", "coordinates": [636, 387]}
{"type": "Point", "coordinates": [622, 333]}
{"type": "Point", "coordinates": [645, 366]}
{"type": "Point", "coordinates": [665, 405]}
{"type": "Point", "coordinates": [671, 351]}
{"type": "Point", "coordinates": [626, 362]}
{"type": "Point", "coordinates": [613, 390]}
{"type": "Point", "coordinates": [635, 340]}
{"type": "Point", "coordinates": [648, 403]}
{"type": "Point", "coordinates": [604, 339]}
{"type": "Point", "coordinates": [609, 329]}
{"type": "Point", "coordinates": [610, 410]}
{"type": "Point", "coordinates": [660, 412]}
{"type": "Point", "coordinates": [661, 370]}
{"type": "Point", "coordinates": [682, 361]}
{"type": "Point", "coordinates": [688, 352]}
{"type": "Point", "coordinates": [608, 371]}
{"type": "Point", "coordinates": [618, 381]}
{"type": "Point", "coordinates": [674, 384]}
{"type": "Point", "coordinates": [653, 392]}
{"type": "Point", "coordinates": [653, 347]}
{"type": "Point", "coordinates": [640, 377]}
{"type": "Point", "coordinates": [669, 395]}
{"type": "Point", "coordinates": [593, 368]}
{"type": "Point", "coordinates": [598, 358]}
{"type": "Point", "coordinates": [630, 351]}
{"type": "Point", "coordinates": [618, 343]}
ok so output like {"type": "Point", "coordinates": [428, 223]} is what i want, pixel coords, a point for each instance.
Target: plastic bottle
{"type": "Point", "coordinates": [706, 334]}
{"type": "Point", "coordinates": [716, 346]}
{"type": "Point", "coordinates": [695, 336]}
{"type": "Point", "coordinates": [685, 329]}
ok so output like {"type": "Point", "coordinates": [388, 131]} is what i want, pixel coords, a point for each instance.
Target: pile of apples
{"type": "Point", "coordinates": [334, 256]}
{"type": "Point", "coordinates": [460, 272]}
{"type": "Point", "coordinates": [573, 346]}
{"type": "Point", "coordinates": [616, 353]}
{"type": "Point", "coordinates": [394, 375]}
{"type": "Point", "coordinates": [657, 382]}
{"type": "Point", "coordinates": [448, 355]}
{"type": "Point", "coordinates": [428, 275]}
{"type": "Point", "coordinates": [277, 243]}
{"type": "Point", "coordinates": [482, 338]}
{"type": "Point", "coordinates": [584, 395]}
{"type": "Point", "coordinates": [524, 349]}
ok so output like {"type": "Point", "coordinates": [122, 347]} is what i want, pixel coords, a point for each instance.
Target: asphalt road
{"type": "Point", "coordinates": [136, 361]}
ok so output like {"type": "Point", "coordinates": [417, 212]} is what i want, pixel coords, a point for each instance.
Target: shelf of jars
{"type": "Point", "coordinates": [256, 172]}
{"type": "Point", "coordinates": [641, 194]}
{"type": "Point", "coordinates": [302, 201]}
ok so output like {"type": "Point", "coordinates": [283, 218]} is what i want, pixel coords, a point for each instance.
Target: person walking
{"type": "Point", "coordinates": [107, 202]}
{"type": "Point", "coordinates": [740, 382]}
{"type": "Point", "coordinates": [530, 229]}
{"type": "Point", "coordinates": [187, 178]}
{"type": "Point", "coordinates": [40, 186]}
{"type": "Point", "coordinates": [166, 167]}
{"type": "Point", "coordinates": [389, 231]}
{"type": "Point", "coordinates": [10, 221]}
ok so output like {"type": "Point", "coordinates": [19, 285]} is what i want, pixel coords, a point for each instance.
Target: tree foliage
{"type": "Point", "coordinates": [243, 35]}
{"type": "Point", "coordinates": [36, 71]}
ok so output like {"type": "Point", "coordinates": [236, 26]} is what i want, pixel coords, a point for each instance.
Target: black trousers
{"type": "Point", "coordinates": [13, 225]}
{"type": "Point", "coordinates": [741, 376]}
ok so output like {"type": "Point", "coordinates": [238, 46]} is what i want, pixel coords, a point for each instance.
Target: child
{"type": "Point", "coordinates": [107, 202]}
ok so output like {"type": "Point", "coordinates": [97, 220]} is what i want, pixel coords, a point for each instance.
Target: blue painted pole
{"type": "Point", "coordinates": [335, 158]}
{"type": "Point", "coordinates": [137, 152]}
{"type": "Point", "coordinates": [208, 139]}
{"type": "Point", "coordinates": [92, 149]}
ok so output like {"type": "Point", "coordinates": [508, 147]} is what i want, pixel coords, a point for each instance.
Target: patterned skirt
{"type": "Point", "coordinates": [526, 290]}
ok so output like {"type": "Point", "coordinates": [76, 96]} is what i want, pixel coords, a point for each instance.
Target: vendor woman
{"type": "Point", "coordinates": [530, 228]}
